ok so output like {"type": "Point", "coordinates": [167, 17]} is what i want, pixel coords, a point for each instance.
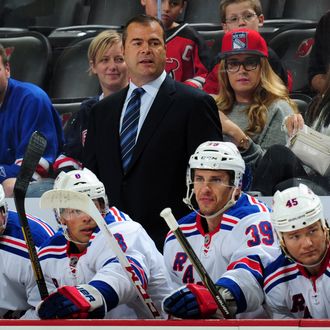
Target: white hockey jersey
{"type": "Point", "coordinates": [243, 242]}
{"type": "Point", "coordinates": [292, 293]}
{"type": "Point", "coordinates": [15, 264]}
{"type": "Point", "coordinates": [98, 266]}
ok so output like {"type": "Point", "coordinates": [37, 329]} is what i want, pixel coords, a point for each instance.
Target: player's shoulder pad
{"type": "Point", "coordinates": [115, 215]}
{"type": "Point", "coordinates": [40, 230]}
{"type": "Point", "coordinates": [188, 220]}
{"type": "Point", "coordinates": [279, 271]}
{"type": "Point", "coordinates": [247, 205]}
{"type": "Point", "coordinates": [54, 247]}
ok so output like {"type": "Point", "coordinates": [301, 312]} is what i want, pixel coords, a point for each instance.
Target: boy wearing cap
{"type": "Point", "coordinates": [251, 95]}
{"type": "Point", "coordinates": [235, 14]}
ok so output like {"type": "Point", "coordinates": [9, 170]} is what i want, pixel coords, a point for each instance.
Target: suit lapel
{"type": "Point", "coordinates": [154, 118]}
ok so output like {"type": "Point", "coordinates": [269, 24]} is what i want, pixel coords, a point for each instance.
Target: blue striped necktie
{"type": "Point", "coordinates": [129, 127]}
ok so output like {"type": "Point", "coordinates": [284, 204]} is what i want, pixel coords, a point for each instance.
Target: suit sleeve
{"type": "Point", "coordinates": [89, 156]}
{"type": "Point", "coordinates": [204, 123]}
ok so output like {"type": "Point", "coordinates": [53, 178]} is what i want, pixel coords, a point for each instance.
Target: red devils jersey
{"type": "Point", "coordinates": [187, 58]}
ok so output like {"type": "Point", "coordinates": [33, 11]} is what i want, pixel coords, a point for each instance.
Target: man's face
{"type": "Point", "coordinates": [80, 226]}
{"type": "Point", "coordinates": [245, 17]}
{"type": "Point", "coordinates": [4, 75]}
{"type": "Point", "coordinates": [144, 52]}
{"type": "Point", "coordinates": [212, 190]}
{"type": "Point", "coordinates": [306, 245]}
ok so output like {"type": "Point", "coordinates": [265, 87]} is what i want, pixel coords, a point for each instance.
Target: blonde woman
{"type": "Point", "coordinates": [106, 60]}
{"type": "Point", "coordinates": [252, 101]}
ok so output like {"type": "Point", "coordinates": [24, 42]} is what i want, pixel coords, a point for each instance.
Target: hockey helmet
{"type": "Point", "coordinates": [83, 181]}
{"type": "Point", "coordinates": [3, 210]}
{"type": "Point", "coordinates": [296, 208]}
{"type": "Point", "coordinates": [215, 155]}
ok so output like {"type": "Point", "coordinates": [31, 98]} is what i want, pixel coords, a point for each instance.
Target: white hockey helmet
{"type": "Point", "coordinates": [3, 210]}
{"type": "Point", "coordinates": [296, 208]}
{"type": "Point", "coordinates": [216, 155]}
{"type": "Point", "coordinates": [83, 181]}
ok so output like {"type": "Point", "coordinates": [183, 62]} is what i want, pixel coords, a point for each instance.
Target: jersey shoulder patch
{"type": "Point", "coordinates": [279, 271]}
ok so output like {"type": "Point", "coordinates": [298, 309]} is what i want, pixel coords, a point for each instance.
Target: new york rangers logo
{"type": "Point", "coordinates": [239, 40]}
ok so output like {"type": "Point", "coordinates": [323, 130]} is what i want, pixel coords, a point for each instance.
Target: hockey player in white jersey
{"type": "Point", "coordinates": [15, 264]}
{"type": "Point", "coordinates": [81, 270]}
{"type": "Point", "coordinates": [297, 283]}
{"type": "Point", "coordinates": [229, 230]}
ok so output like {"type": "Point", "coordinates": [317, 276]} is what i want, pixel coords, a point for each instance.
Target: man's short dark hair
{"type": "Point", "coordinates": [143, 20]}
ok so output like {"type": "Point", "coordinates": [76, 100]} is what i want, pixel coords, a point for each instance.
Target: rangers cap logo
{"type": "Point", "coordinates": [239, 40]}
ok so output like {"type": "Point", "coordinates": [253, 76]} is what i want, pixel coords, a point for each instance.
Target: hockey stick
{"type": "Point", "coordinates": [33, 153]}
{"type": "Point", "coordinates": [203, 274]}
{"type": "Point", "coordinates": [79, 201]}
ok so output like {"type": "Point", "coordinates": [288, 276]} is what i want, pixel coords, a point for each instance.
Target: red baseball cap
{"type": "Point", "coordinates": [243, 41]}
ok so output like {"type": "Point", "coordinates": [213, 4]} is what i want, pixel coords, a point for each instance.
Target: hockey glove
{"type": "Point", "coordinates": [195, 301]}
{"type": "Point", "coordinates": [73, 302]}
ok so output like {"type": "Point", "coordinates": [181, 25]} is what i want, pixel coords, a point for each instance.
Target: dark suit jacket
{"type": "Point", "coordinates": [179, 119]}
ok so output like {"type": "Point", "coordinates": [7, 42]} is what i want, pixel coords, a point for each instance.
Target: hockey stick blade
{"type": "Point", "coordinates": [202, 272]}
{"type": "Point", "coordinates": [33, 153]}
{"type": "Point", "coordinates": [76, 200]}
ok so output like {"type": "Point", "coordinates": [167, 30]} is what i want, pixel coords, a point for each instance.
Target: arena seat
{"type": "Point", "coordinates": [213, 40]}
{"type": "Point", "coordinates": [302, 101]}
{"type": "Point", "coordinates": [202, 11]}
{"type": "Point", "coordinates": [67, 107]}
{"type": "Point", "coordinates": [293, 48]}
{"type": "Point", "coordinates": [284, 12]}
{"type": "Point", "coordinates": [70, 78]}
{"type": "Point", "coordinates": [305, 9]}
{"type": "Point", "coordinates": [42, 15]}
{"type": "Point", "coordinates": [113, 12]}
{"type": "Point", "coordinates": [30, 54]}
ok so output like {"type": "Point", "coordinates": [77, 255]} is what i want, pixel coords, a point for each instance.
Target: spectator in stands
{"type": "Point", "coordinates": [320, 55]}
{"type": "Point", "coordinates": [187, 56]}
{"type": "Point", "coordinates": [280, 163]}
{"type": "Point", "coordinates": [106, 59]}
{"type": "Point", "coordinates": [171, 121]}
{"type": "Point", "coordinates": [236, 14]}
{"type": "Point", "coordinates": [25, 108]}
{"type": "Point", "coordinates": [251, 95]}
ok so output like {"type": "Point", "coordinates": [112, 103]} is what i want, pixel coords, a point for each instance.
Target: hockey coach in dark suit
{"type": "Point", "coordinates": [140, 139]}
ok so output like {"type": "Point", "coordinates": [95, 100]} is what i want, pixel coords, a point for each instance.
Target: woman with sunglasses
{"type": "Point", "coordinates": [252, 100]}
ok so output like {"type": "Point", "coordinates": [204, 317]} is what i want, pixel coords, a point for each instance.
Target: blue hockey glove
{"type": "Point", "coordinates": [73, 302]}
{"type": "Point", "coordinates": [191, 301]}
